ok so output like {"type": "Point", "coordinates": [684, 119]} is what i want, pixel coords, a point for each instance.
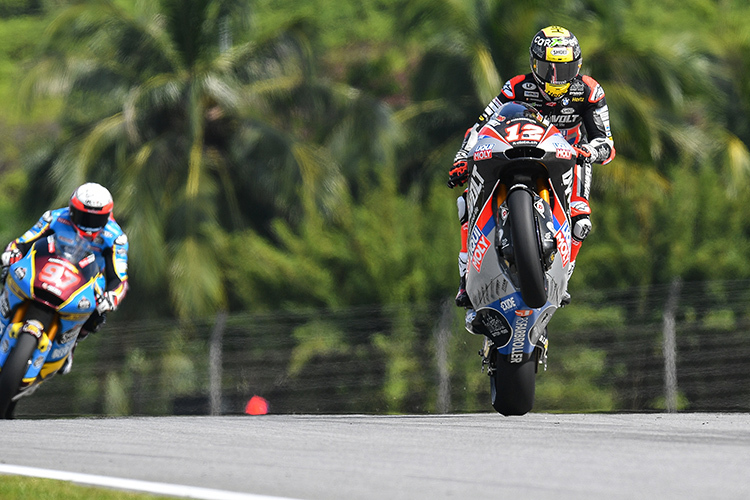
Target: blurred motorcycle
{"type": "Point", "coordinates": [48, 296]}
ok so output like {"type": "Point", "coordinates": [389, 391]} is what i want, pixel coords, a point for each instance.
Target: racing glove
{"type": "Point", "coordinates": [586, 153]}
{"type": "Point", "coordinates": [106, 302]}
{"type": "Point", "coordinates": [11, 255]}
{"type": "Point", "coordinates": [459, 174]}
{"type": "Point", "coordinates": [581, 227]}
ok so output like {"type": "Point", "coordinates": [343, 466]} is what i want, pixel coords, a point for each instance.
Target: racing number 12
{"type": "Point", "coordinates": [529, 132]}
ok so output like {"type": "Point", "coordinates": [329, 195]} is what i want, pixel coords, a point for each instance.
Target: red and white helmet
{"type": "Point", "coordinates": [90, 209]}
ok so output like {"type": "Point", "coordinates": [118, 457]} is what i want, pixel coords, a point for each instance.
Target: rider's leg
{"type": "Point", "coordinates": [95, 321]}
{"type": "Point", "coordinates": [580, 214]}
{"type": "Point", "coordinates": [462, 298]}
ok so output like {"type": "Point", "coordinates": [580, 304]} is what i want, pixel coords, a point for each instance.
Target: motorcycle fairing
{"type": "Point", "coordinates": [480, 239]}
{"type": "Point", "coordinates": [501, 313]}
{"type": "Point", "coordinates": [70, 289]}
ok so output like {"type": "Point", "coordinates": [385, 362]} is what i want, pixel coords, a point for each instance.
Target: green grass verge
{"type": "Point", "coordinates": [25, 488]}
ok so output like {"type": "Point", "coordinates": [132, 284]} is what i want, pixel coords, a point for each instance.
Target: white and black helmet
{"type": "Point", "coordinates": [90, 209]}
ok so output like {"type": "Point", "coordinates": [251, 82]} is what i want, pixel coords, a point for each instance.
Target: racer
{"type": "Point", "coordinates": [89, 215]}
{"type": "Point", "coordinates": [573, 102]}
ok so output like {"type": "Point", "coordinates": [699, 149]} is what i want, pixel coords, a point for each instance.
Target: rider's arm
{"type": "Point", "coordinates": [40, 230]}
{"type": "Point", "coordinates": [116, 268]}
{"type": "Point", "coordinates": [596, 122]}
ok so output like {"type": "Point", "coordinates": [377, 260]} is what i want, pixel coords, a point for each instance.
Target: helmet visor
{"type": "Point", "coordinates": [87, 221]}
{"type": "Point", "coordinates": [555, 73]}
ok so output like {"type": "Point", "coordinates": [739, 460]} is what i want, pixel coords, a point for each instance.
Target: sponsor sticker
{"type": "Point", "coordinates": [480, 244]}
{"type": "Point", "coordinates": [563, 153]}
{"type": "Point", "coordinates": [563, 245]}
{"type": "Point", "coordinates": [508, 304]}
{"type": "Point", "coordinates": [519, 339]}
{"type": "Point", "coordinates": [33, 327]}
{"type": "Point", "coordinates": [483, 152]}
{"type": "Point", "coordinates": [88, 260]}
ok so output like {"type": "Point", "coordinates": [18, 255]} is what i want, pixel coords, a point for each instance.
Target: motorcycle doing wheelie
{"type": "Point", "coordinates": [48, 296]}
{"type": "Point", "coordinates": [519, 247]}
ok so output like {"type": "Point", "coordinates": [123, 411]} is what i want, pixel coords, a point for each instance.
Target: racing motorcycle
{"type": "Point", "coordinates": [48, 296]}
{"type": "Point", "coordinates": [519, 247]}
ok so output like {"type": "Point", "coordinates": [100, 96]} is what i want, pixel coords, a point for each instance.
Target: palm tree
{"type": "Point", "coordinates": [179, 108]}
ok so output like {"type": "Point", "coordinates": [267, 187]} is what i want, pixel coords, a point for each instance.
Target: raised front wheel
{"type": "Point", "coordinates": [526, 248]}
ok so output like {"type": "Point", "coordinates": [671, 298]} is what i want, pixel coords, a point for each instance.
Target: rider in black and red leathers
{"type": "Point", "coordinates": [573, 102]}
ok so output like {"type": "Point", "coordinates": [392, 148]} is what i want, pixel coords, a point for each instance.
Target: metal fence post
{"type": "Point", "coordinates": [670, 346]}
{"type": "Point", "coordinates": [442, 339]}
{"type": "Point", "coordinates": [214, 363]}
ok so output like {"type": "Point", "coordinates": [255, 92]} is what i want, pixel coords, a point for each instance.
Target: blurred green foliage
{"type": "Point", "coordinates": [278, 155]}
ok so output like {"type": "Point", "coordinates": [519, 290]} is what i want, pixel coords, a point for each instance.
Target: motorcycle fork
{"type": "Point", "coordinates": [542, 189]}
{"type": "Point", "coordinates": [49, 321]}
{"type": "Point", "coordinates": [19, 313]}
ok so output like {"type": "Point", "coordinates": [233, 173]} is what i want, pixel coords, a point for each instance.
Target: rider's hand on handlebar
{"type": "Point", "coordinates": [106, 302]}
{"type": "Point", "coordinates": [11, 256]}
{"type": "Point", "coordinates": [459, 174]}
{"type": "Point", "coordinates": [586, 154]}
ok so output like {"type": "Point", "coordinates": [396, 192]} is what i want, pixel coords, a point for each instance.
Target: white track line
{"type": "Point", "coordinates": [133, 484]}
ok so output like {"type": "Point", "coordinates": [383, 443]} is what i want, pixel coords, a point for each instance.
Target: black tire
{"type": "Point", "coordinates": [526, 248]}
{"type": "Point", "coordinates": [13, 371]}
{"type": "Point", "coordinates": [512, 385]}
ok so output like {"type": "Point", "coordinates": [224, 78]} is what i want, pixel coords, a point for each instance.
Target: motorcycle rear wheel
{"type": "Point", "coordinates": [526, 248]}
{"type": "Point", "coordinates": [13, 371]}
{"type": "Point", "coordinates": [513, 385]}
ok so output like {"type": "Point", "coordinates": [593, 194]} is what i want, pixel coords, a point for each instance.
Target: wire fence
{"type": "Point", "coordinates": [607, 353]}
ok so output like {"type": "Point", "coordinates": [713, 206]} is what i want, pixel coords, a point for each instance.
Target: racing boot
{"type": "Point", "coordinates": [462, 298]}
{"type": "Point", "coordinates": [92, 324]}
{"type": "Point", "coordinates": [68, 365]}
{"type": "Point", "coordinates": [581, 228]}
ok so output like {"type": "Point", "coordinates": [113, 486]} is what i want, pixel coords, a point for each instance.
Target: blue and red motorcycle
{"type": "Point", "coordinates": [48, 296]}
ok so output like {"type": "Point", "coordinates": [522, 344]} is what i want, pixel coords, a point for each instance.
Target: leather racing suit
{"type": "Point", "coordinates": [581, 115]}
{"type": "Point", "coordinates": [110, 248]}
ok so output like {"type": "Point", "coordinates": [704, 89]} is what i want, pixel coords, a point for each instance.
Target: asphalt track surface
{"type": "Point", "coordinates": [405, 457]}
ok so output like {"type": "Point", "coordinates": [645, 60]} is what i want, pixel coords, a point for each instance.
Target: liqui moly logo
{"type": "Point", "coordinates": [478, 248]}
{"type": "Point", "coordinates": [483, 152]}
{"type": "Point", "coordinates": [563, 244]}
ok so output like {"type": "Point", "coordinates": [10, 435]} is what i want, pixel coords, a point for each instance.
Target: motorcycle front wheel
{"type": "Point", "coordinates": [13, 371]}
{"type": "Point", "coordinates": [512, 385]}
{"type": "Point", "coordinates": [526, 248]}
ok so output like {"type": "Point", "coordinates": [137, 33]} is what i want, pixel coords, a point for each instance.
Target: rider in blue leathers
{"type": "Point", "coordinates": [89, 215]}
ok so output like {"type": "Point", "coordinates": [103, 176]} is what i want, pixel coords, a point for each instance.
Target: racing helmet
{"type": "Point", "coordinates": [555, 59]}
{"type": "Point", "coordinates": [90, 208]}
